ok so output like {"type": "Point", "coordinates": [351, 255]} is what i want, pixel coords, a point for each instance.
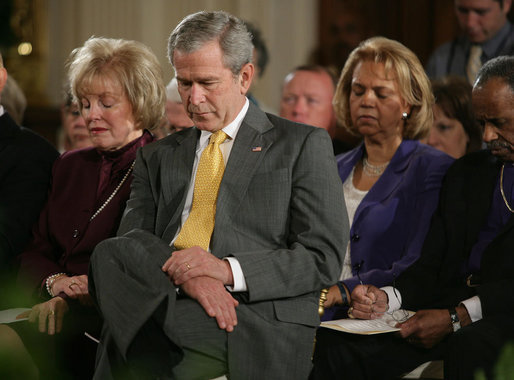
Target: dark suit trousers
{"type": "Point", "coordinates": [148, 331]}
{"type": "Point", "coordinates": [386, 356]}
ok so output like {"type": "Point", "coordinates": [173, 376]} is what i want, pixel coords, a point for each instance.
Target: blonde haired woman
{"type": "Point", "coordinates": [120, 91]}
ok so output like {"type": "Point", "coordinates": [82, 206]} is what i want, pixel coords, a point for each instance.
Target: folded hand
{"type": "Point", "coordinates": [215, 300]}
{"type": "Point", "coordinates": [426, 328]}
{"type": "Point", "coordinates": [368, 302]}
{"type": "Point", "coordinates": [74, 287]}
{"type": "Point", "coordinates": [194, 262]}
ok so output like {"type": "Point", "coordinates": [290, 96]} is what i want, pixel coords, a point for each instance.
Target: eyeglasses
{"type": "Point", "coordinates": [357, 268]}
{"type": "Point", "coordinates": [400, 315]}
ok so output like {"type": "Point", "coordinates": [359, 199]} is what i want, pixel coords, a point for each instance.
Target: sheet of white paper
{"type": "Point", "coordinates": [363, 326]}
{"type": "Point", "coordinates": [9, 315]}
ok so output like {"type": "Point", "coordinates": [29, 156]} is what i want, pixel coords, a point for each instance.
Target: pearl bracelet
{"type": "Point", "coordinates": [50, 282]}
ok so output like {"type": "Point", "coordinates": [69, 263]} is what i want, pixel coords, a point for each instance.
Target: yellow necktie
{"type": "Point", "coordinates": [474, 63]}
{"type": "Point", "coordinates": [197, 229]}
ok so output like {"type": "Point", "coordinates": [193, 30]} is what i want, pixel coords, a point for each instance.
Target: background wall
{"type": "Point", "coordinates": [70, 22]}
{"type": "Point", "coordinates": [296, 32]}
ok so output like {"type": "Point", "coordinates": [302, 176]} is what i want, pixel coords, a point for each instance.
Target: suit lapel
{"type": "Point", "coordinates": [494, 180]}
{"type": "Point", "coordinates": [481, 199]}
{"type": "Point", "coordinates": [390, 179]}
{"type": "Point", "coordinates": [177, 166]}
{"type": "Point", "coordinates": [347, 162]}
{"type": "Point", "coordinates": [8, 129]}
{"type": "Point", "coordinates": [249, 149]}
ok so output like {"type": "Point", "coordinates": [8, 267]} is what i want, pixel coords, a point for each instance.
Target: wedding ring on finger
{"type": "Point", "coordinates": [52, 313]}
{"type": "Point", "coordinates": [72, 283]}
{"type": "Point", "coordinates": [188, 266]}
{"type": "Point", "coordinates": [350, 312]}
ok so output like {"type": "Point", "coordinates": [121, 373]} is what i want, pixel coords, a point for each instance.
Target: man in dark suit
{"type": "Point", "coordinates": [245, 301]}
{"type": "Point", "coordinates": [462, 287]}
{"type": "Point", "coordinates": [26, 162]}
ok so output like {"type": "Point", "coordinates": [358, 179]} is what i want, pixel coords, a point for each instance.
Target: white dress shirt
{"type": "Point", "coordinates": [472, 305]}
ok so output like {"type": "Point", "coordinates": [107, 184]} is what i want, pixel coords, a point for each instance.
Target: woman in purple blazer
{"type": "Point", "coordinates": [119, 88]}
{"type": "Point", "coordinates": [391, 181]}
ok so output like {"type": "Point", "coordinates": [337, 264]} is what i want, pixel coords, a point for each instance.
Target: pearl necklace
{"type": "Point", "coordinates": [373, 170]}
{"type": "Point", "coordinates": [501, 191]}
{"type": "Point", "coordinates": [114, 192]}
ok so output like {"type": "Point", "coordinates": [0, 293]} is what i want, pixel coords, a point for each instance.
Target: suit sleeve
{"type": "Point", "coordinates": [23, 192]}
{"type": "Point", "coordinates": [435, 279]}
{"type": "Point", "coordinates": [140, 212]}
{"type": "Point", "coordinates": [316, 227]}
{"type": "Point", "coordinates": [39, 259]}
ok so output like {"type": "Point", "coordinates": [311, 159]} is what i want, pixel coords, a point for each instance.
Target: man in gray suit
{"type": "Point", "coordinates": [246, 303]}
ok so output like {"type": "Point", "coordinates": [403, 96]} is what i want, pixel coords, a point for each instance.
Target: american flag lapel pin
{"type": "Point", "coordinates": [256, 148]}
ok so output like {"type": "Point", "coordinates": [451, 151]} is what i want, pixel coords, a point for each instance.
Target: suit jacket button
{"type": "Point", "coordinates": [355, 237]}
{"type": "Point", "coordinates": [75, 233]}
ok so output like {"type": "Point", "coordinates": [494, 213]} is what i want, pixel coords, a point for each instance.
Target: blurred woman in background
{"type": "Point", "coordinates": [455, 130]}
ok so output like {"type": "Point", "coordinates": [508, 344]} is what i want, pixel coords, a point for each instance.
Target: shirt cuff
{"type": "Point", "coordinates": [394, 296]}
{"type": "Point", "coordinates": [474, 308]}
{"type": "Point", "coordinates": [237, 274]}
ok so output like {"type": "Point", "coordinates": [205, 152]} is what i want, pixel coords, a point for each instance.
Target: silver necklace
{"type": "Point", "coordinates": [501, 191]}
{"type": "Point", "coordinates": [114, 192]}
{"type": "Point", "coordinates": [373, 170]}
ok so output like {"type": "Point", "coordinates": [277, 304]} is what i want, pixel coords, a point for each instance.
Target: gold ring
{"type": "Point", "coordinates": [72, 283]}
{"type": "Point", "coordinates": [188, 266]}
{"type": "Point", "coordinates": [52, 312]}
{"type": "Point", "coordinates": [350, 312]}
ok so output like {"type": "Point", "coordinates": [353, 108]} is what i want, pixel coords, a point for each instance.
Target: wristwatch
{"type": "Point", "coordinates": [454, 317]}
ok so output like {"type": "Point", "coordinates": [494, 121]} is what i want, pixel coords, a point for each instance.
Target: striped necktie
{"type": "Point", "coordinates": [197, 229]}
{"type": "Point", "coordinates": [474, 63]}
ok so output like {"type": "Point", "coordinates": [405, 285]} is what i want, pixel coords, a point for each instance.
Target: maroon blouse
{"type": "Point", "coordinates": [64, 237]}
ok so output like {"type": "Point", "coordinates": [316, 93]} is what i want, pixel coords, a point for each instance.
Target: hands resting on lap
{"type": "Point", "coordinates": [203, 276]}
{"type": "Point", "coordinates": [50, 314]}
{"type": "Point", "coordinates": [425, 329]}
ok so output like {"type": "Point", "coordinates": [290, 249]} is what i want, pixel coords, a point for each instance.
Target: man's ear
{"type": "Point", "coordinates": [246, 76]}
{"type": "Point", "coordinates": [3, 78]}
{"type": "Point", "coordinates": [506, 6]}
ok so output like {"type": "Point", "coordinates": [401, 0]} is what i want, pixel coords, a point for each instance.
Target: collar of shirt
{"type": "Point", "coordinates": [231, 129]}
{"type": "Point", "coordinates": [490, 47]}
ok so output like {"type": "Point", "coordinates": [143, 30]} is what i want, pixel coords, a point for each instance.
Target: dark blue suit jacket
{"type": "Point", "coordinates": [391, 222]}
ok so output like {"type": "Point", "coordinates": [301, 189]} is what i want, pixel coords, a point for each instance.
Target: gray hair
{"type": "Point", "coordinates": [197, 29]}
{"type": "Point", "coordinates": [500, 67]}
